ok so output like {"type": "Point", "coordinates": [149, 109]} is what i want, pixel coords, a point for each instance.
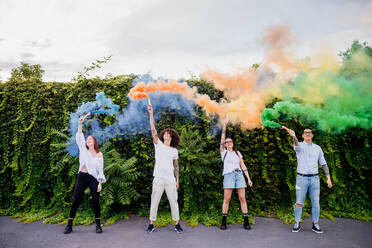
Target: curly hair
{"type": "Point", "coordinates": [173, 133]}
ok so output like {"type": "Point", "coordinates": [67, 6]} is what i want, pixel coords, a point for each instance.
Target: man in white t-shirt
{"type": "Point", "coordinates": [166, 172]}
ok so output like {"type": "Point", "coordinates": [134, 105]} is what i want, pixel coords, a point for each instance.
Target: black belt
{"type": "Point", "coordinates": [307, 175]}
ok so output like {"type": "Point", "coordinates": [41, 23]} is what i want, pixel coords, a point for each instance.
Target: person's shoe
{"type": "Point", "coordinates": [98, 225]}
{"type": "Point", "coordinates": [98, 229]}
{"type": "Point", "coordinates": [68, 228]}
{"type": "Point", "coordinates": [246, 225]}
{"type": "Point", "coordinates": [246, 222]}
{"type": "Point", "coordinates": [316, 228]}
{"type": "Point", "coordinates": [150, 228]}
{"type": "Point", "coordinates": [223, 223]}
{"type": "Point", "coordinates": [296, 227]}
{"type": "Point", "coordinates": [178, 228]}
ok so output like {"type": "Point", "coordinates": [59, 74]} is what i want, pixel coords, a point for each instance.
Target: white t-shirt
{"type": "Point", "coordinates": [231, 162]}
{"type": "Point", "coordinates": [164, 156]}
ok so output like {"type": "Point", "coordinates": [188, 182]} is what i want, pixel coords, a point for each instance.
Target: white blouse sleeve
{"type": "Point", "coordinates": [80, 141]}
{"type": "Point", "coordinates": [100, 171]}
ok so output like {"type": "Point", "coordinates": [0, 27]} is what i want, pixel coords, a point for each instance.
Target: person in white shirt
{"type": "Point", "coordinates": [166, 172]}
{"type": "Point", "coordinates": [233, 169]}
{"type": "Point", "coordinates": [309, 155]}
{"type": "Point", "coordinates": [90, 175]}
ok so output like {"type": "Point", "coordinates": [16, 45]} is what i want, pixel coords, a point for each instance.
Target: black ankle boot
{"type": "Point", "coordinates": [246, 222]}
{"type": "Point", "coordinates": [98, 225]}
{"type": "Point", "coordinates": [68, 228]}
{"type": "Point", "coordinates": [223, 223]}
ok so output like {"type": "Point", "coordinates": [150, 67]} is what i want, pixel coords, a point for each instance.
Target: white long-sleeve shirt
{"type": "Point", "coordinates": [94, 165]}
{"type": "Point", "coordinates": [308, 157]}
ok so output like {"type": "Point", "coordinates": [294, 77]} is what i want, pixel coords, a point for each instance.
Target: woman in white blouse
{"type": "Point", "coordinates": [233, 178]}
{"type": "Point", "coordinates": [90, 175]}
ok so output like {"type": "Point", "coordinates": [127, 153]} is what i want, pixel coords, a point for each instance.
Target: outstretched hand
{"type": "Point", "coordinates": [226, 120]}
{"type": "Point", "coordinates": [291, 132]}
{"type": "Point", "coordinates": [149, 108]}
{"type": "Point", "coordinates": [81, 119]}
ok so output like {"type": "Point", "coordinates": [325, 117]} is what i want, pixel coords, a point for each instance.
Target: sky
{"type": "Point", "coordinates": [168, 38]}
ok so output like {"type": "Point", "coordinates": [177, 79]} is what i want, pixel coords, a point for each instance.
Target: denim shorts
{"type": "Point", "coordinates": [234, 180]}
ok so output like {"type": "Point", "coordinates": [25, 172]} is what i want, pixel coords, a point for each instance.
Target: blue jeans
{"type": "Point", "coordinates": [302, 185]}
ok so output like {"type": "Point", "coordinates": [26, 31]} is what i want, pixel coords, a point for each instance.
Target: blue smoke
{"type": "Point", "coordinates": [102, 105]}
{"type": "Point", "coordinates": [133, 120]}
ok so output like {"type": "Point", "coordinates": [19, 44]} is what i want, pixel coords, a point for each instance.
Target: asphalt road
{"type": "Point", "coordinates": [267, 232]}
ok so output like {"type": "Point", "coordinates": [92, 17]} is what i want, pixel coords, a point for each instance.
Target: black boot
{"type": "Point", "coordinates": [223, 223]}
{"type": "Point", "coordinates": [246, 222]}
{"type": "Point", "coordinates": [98, 225]}
{"type": "Point", "coordinates": [68, 228]}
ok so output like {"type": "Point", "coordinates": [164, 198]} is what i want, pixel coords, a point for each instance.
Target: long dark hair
{"type": "Point", "coordinates": [173, 133]}
{"type": "Point", "coordinates": [95, 144]}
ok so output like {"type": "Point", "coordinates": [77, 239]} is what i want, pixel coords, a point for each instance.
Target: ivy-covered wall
{"type": "Point", "coordinates": [36, 174]}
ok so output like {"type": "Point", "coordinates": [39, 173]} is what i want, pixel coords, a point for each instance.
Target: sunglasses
{"type": "Point", "coordinates": [308, 132]}
{"type": "Point", "coordinates": [229, 141]}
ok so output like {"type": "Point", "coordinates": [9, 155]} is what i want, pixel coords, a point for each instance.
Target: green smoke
{"type": "Point", "coordinates": [335, 101]}
{"type": "Point", "coordinates": [267, 115]}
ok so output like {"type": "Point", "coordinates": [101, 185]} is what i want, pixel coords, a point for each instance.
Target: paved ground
{"type": "Point", "coordinates": [267, 232]}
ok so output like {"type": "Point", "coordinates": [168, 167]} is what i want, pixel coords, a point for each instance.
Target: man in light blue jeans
{"type": "Point", "coordinates": [308, 156]}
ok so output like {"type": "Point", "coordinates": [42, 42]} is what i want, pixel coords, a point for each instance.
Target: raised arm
{"type": "Point", "coordinates": [81, 120]}
{"type": "Point", "coordinates": [223, 135]}
{"type": "Point", "coordinates": [154, 133]}
{"type": "Point", "coordinates": [80, 140]}
{"type": "Point", "coordinates": [293, 135]}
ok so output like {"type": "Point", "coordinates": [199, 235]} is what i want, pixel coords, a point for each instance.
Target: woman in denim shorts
{"type": "Point", "coordinates": [233, 169]}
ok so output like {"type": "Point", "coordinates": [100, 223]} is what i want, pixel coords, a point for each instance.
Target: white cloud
{"type": "Point", "coordinates": [169, 38]}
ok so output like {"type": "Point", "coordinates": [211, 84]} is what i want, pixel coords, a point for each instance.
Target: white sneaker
{"type": "Point", "coordinates": [296, 227]}
{"type": "Point", "coordinates": [316, 228]}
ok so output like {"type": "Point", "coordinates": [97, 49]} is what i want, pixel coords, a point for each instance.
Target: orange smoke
{"type": "Point", "coordinates": [232, 85]}
{"type": "Point", "coordinates": [246, 91]}
{"type": "Point", "coordinates": [140, 90]}
{"type": "Point", "coordinates": [246, 101]}
{"type": "Point", "coordinates": [244, 111]}
{"type": "Point", "coordinates": [138, 95]}
{"type": "Point", "coordinates": [277, 39]}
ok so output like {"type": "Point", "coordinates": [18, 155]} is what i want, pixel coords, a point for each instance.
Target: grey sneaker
{"type": "Point", "coordinates": [296, 227]}
{"type": "Point", "coordinates": [316, 228]}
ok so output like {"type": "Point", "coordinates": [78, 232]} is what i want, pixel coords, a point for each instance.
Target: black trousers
{"type": "Point", "coordinates": [83, 181]}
